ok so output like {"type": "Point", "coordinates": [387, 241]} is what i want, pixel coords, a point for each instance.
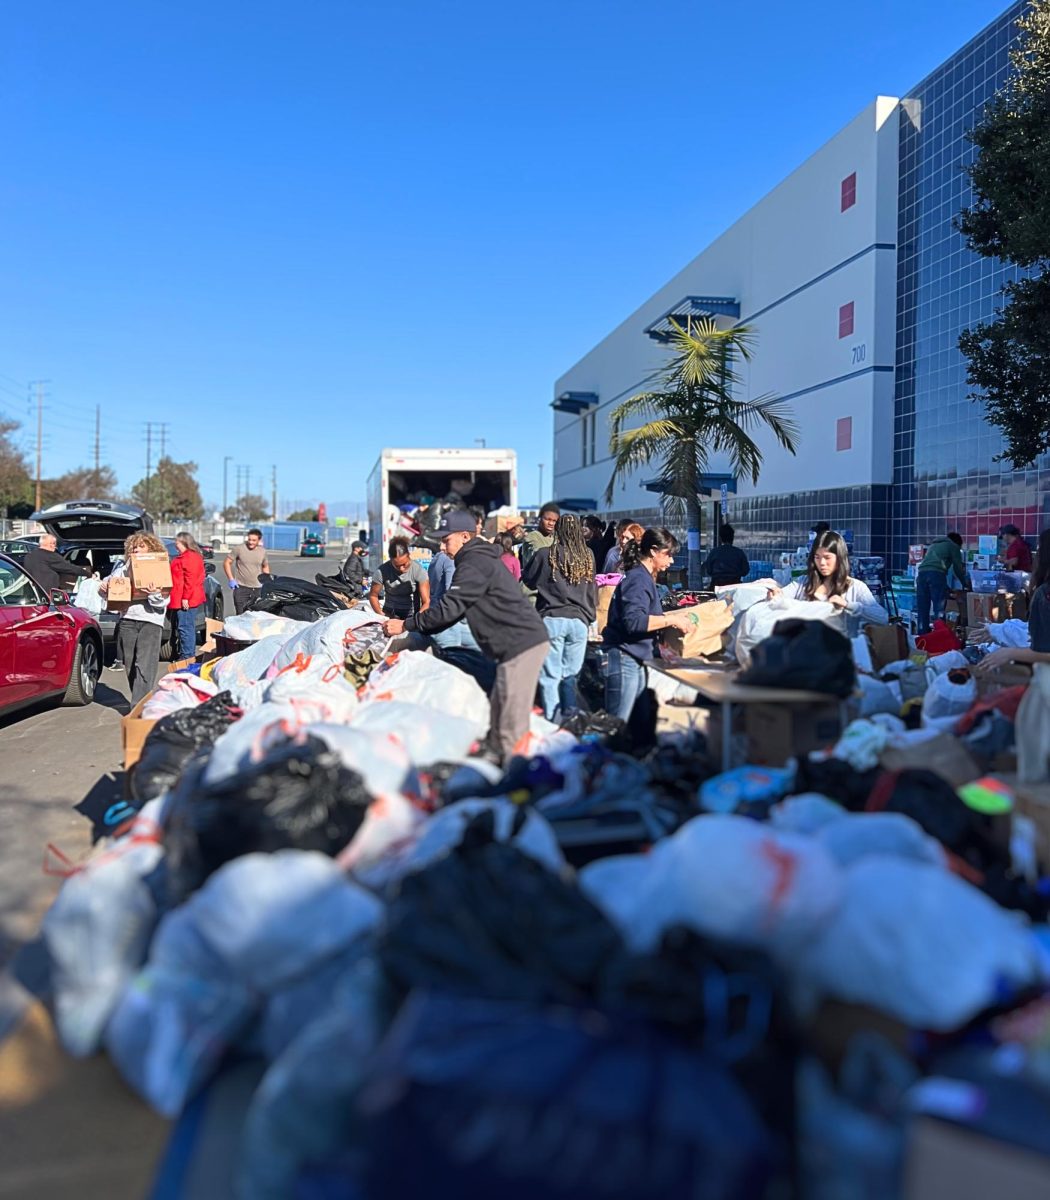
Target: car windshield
{"type": "Point", "coordinates": [16, 588]}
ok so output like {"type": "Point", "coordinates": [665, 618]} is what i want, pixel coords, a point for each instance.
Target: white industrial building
{"type": "Point", "coordinates": [813, 267]}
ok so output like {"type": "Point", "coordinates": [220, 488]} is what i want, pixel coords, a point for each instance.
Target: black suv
{"type": "Point", "coordinates": [91, 534]}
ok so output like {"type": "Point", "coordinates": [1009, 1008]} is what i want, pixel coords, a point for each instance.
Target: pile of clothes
{"type": "Point", "coordinates": [605, 971]}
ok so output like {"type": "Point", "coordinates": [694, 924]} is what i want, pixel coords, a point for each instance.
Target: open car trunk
{"type": "Point", "coordinates": [86, 521]}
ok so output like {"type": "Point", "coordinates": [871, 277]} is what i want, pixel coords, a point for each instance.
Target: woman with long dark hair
{"type": "Point", "coordinates": [636, 619]}
{"type": "Point", "coordinates": [187, 591]}
{"type": "Point", "coordinates": [562, 575]}
{"type": "Point", "coordinates": [1038, 617]}
{"type": "Point", "coordinates": [827, 578]}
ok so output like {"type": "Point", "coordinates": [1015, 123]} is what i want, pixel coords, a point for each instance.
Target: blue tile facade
{"type": "Point", "coordinates": [944, 472]}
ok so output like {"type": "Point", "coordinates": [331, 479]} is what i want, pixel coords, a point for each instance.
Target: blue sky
{"type": "Point", "coordinates": [299, 232]}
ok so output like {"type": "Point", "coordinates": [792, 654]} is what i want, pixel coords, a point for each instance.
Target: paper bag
{"type": "Point", "coordinates": [888, 644]}
{"type": "Point", "coordinates": [704, 638]}
{"type": "Point", "coordinates": [150, 573]}
{"type": "Point", "coordinates": [605, 595]}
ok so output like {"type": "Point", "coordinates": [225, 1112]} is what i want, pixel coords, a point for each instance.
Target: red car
{"type": "Point", "coordinates": [48, 648]}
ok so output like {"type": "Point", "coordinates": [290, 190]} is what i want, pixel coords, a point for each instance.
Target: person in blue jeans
{"type": "Point", "coordinates": [562, 576]}
{"type": "Point", "coordinates": [458, 637]}
{"type": "Point", "coordinates": [943, 558]}
{"type": "Point", "coordinates": [636, 619]}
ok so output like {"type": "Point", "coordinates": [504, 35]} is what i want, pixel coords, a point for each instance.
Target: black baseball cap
{"type": "Point", "coordinates": [457, 521]}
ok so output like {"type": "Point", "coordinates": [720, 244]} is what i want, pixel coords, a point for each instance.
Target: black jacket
{"type": "Point", "coordinates": [726, 565]}
{"type": "Point", "coordinates": [502, 621]}
{"type": "Point", "coordinates": [555, 595]}
{"type": "Point", "coordinates": [49, 568]}
{"type": "Point", "coordinates": [353, 571]}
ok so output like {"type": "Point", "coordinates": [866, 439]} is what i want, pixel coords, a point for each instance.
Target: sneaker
{"type": "Point", "coordinates": [115, 665]}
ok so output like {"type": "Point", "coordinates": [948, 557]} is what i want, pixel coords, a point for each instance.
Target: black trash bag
{"type": "Point", "coordinates": [838, 780]}
{"type": "Point", "coordinates": [807, 655]}
{"type": "Point", "coordinates": [726, 1000]}
{"type": "Point", "coordinates": [677, 770]}
{"type": "Point", "coordinates": [598, 726]}
{"type": "Point", "coordinates": [336, 583]}
{"type": "Point", "coordinates": [297, 599]}
{"type": "Point", "coordinates": [174, 740]}
{"type": "Point", "coordinates": [590, 683]}
{"type": "Point", "coordinates": [487, 920]}
{"type": "Point", "coordinates": [980, 840]}
{"type": "Point", "coordinates": [519, 1102]}
{"type": "Point", "coordinates": [300, 796]}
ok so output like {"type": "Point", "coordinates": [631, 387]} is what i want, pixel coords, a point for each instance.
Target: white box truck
{"type": "Point", "coordinates": [410, 477]}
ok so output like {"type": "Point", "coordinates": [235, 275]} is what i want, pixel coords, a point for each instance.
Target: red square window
{"type": "Point", "coordinates": [849, 191]}
{"type": "Point", "coordinates": [844, 433]}
{"type": "Point", "coordinates": [846, 320]}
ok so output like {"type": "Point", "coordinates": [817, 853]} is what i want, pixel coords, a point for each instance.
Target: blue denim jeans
{"type": "Point", "coordinates": [624, 683]}
{"type": "Point", "coordinates": [456, 637]}
{"type": "Point", "coordinates": [931, 591]}
{"type": "Point", "coordinates": [563, 663]}
{"type": "Point", "coordinates": [186, 624]}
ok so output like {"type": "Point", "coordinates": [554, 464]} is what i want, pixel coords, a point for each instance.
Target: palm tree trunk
{"type": "Point", "coordinates": [692, 511]}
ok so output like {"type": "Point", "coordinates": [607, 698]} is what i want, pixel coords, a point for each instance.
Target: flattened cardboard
{"type": "Point", "coordinates": [704, 639]}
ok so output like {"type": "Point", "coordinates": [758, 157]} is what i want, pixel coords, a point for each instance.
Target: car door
{"type": "Point", "coordinates": [40, 638]}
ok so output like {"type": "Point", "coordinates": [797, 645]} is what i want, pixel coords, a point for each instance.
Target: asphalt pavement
{"type": "Point", "coordinates": [60, 769]}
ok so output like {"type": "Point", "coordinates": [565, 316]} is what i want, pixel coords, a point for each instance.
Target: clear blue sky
{"type": "Point", "coordinates": [297, 232]}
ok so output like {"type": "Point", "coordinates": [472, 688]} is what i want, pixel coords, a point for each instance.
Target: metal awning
{"type": "Point", "coordinates": [575, 402]}
{"type": "Point", "coordinates": [661, 330]}
{"type": "Point", "coordinates": [708, 483]}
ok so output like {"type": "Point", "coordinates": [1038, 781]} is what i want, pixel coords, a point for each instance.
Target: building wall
{"type": "Point", "coordinates": [945, 476]}
{"type": "Point", "coordinates": [792, 262]}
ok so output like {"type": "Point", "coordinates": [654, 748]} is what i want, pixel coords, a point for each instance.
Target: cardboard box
{"type": "Point", "coordinates": [118, 591]}
{"type": "Point", "coordinates": [1009, 676]}
{"type": "Point", "coordinates": [502, 523]}
{"type": "Point", "coordinates": [944, 755]}
{"type": "Point", "coordinates": [704, 638]}
{"type": "Point", "coordinates": [150, 573]}
{"type": "Point", "coordinates": [690, 718]}
{"type": "Point", "coordinates": [777, 732]}
{"type": "Point", "coordinates": [211, 628]}
{"type": "Point", "coordinates": [945, 1160]}
{"type": "Point", "coordinates": [888, 644]}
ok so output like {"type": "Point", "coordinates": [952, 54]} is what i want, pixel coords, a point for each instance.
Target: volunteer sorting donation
{"type": "Point", "coordinates": [562, 575]}
{"type": "Point", "coordinates": [636, 618]}
{"type": "Point", "coordinates": [827, 578]}
{"type": "Point", "coordinates": [503, 623]}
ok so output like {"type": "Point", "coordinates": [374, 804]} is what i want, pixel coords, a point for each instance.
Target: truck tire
{"type": "Point", "coordinates": [83, 678]}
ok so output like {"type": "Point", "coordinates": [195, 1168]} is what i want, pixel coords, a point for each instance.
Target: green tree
{"type": "Point", "coordinates": [171, 492]}
{"type": "Point", "coordinates": [16, 488]}
{"type": "Point", "coordinates": [693, 414]}
{"type": "Point", "coordinates": [1008, 358]}
{"type": "Point", "coordinates": [303, 514]}
{"type": "Point", "coordinates": [82, 483]}
{"type": "Point", "coordinates": [250, 507]}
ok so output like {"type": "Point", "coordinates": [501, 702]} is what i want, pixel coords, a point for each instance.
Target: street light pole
{"type": "Point", "coordinates": [540, 500]}
{"type": "Point", "coordinates": [225, 464]}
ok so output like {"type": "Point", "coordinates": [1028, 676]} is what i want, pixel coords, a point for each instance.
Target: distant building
{"type": "Point", "coordinates": [858, 286]}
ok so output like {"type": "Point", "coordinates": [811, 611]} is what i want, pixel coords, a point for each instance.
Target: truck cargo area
{"type": "Point", "coordinates": [490, 489]}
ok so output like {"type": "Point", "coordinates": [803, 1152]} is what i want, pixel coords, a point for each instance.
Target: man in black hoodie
{"type": "Point", "coordinates": [502, 621]}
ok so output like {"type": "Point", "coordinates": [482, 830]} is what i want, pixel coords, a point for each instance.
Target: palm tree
{"type": "Point", "coordinates": [694, 414]}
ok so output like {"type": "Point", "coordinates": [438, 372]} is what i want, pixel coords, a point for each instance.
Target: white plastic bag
{"type": "Point", "coordinates": [86, 595]}
{"type": "Point", "coordinates": [254, 626]}
{"type": "Point", "coordinates": [864, 835]}
{"type": "Point", "coordinates": [726, 877]}
{"type": "Point", "coordinates": [246, 741]}
{"type": "Point", "coordinates": [757, 623]}
{"type": "Point", "coordinates": [97, 932]}
{"type": "Point", "coordinates": [427, 734]}
{"type": "Point", "coordinates": [523, 827]}
{"type": "Point", "coordinates": [237, 673]}
{"type": "Point", "coordinates": [177, 690]}
{"type": "Point", "coordinates": [1014, 634]}
{"type": "Point", "coordinates": [326, 639]}
{"type": "Point", "coordinates": [418, 678]}
{"type": "Point", "coordinates": [383, 763]}
{"type": "Point", "coordinates": [918, 943]}
{"type": "Point", "coordinates": [319, 680]}
{"type": "Point", "coordinates": [878, 697]}
{"type": "Point", "coordinates": [946, 702]}
{"type": "Point", "coordinates": [941, 664]}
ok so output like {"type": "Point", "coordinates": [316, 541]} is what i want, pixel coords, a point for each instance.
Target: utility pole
{"type": "Point", "coordinates": [149, 457]}
{"type": "Point", "coordinates": [39, 385]}
{"type": "Point", "coordinates": [225, 464]}
{"type": "Point", "coordinates": [273, 493]}
{"type": "Point", "coordinates": [163, 440]}
{"type": "Point", "coordinates": [98, 448]}
{"type": "Point", "coordinates": [539, 502]}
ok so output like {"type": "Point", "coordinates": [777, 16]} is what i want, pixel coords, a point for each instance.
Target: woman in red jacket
{"type": "Point", "coordinates": [187, 591]}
